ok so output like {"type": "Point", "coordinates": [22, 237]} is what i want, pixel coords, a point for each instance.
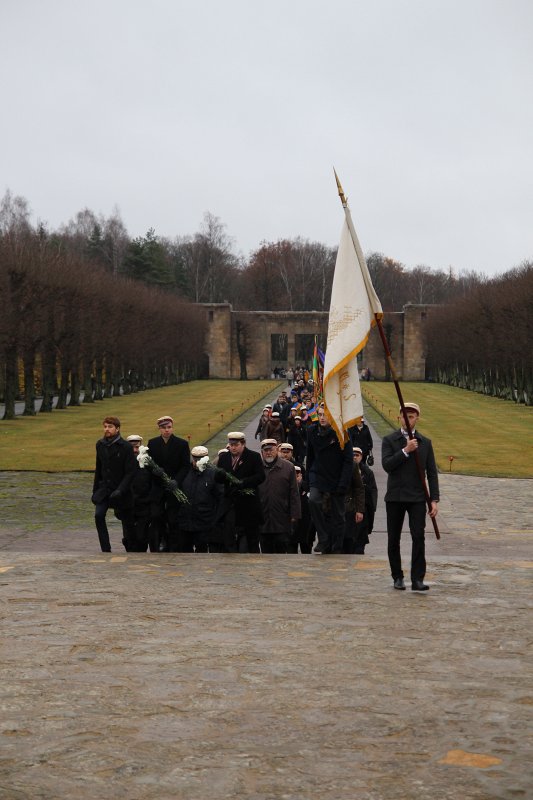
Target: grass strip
{"type": "Point", "coordinates": [64, 440]}
{"type": "Point", "coordinates": [481, 435]}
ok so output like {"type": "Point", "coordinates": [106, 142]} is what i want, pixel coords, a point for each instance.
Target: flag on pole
{"type": "Point", "coordinates": [354, 304]}
{"type": "Point", "coordinates": [318, 373]}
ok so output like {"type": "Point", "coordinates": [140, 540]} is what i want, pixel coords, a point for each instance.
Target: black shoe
{"type": "Point", "coordinates": [321, 551]}
{"type": "Point", "coordinates": [399, 584]}
{"type": "Point", "coordinates": [418, 586]}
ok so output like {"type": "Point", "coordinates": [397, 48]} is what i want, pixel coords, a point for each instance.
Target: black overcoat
{"type": "Point", "coordinates": [173, 457]}
{"type": "Point", "coordinates": [115, 469]}
{"type": "Point", "coordinates": [250, 470]}
{"type": "Point", "coordinates": [403, 482]}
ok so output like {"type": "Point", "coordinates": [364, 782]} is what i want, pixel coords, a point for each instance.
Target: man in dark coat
{"type": "Point", "coordinates": [204, 492]}
{"type": "Point", "coordinates": [141, 487]}
{"type": "Point", "coordinates": [274, 428]}
{"type": "Point", "coordinates": [303, 531]}
{"type": "Point", "coordinates": [113, 475]}
{"type": "Point", "coordinates": [361, 527]}
{"type": "Point", "coordinates": [362, 438]}
{"type": "Point", "coordinates": [329, 470]}
{"type": "Point", "coordinates": [280, 500]}
{"type": "Point", "coordinates": [173, 456]}
{"type": "Point", "coordinates": [297, 436]}
{"type": "Point", "coordinates": [405, 493]}
{"type": "Point", "coordinates": [242, 512]}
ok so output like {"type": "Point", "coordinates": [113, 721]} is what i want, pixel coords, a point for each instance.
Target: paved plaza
{"type": "Point", "coordinates": [268, 677]}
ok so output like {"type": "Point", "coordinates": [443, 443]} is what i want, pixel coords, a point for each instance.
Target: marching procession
{"type": "Point", "coordinates": [304, 492]}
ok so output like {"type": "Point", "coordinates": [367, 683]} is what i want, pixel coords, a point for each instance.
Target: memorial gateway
{"type": "Point", "coordinates": [252, 343]}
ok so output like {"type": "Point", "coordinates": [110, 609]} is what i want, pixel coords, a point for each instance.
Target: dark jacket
{"type": "Point", "coordinates": [329, 465]}
{"type": "Point", "coordinates": [142, 488]}
{"type": "Point", "coordinates": [297, 436]}
{"type": "Point", "coordinates": [403, 483]}
{"type": "Point", "coordinates": [115, 469]}
{"type": "Point", "coordinates": [280, 499]}
{"type": "Point", "coordinates": [173, 457]}
{"type": "Point", "coordinates": [355, 498]}
{"type": "Point", "coordinates": [362, 438]}
{"type": "Point", "coordinates": [371, 489]}
{"type": "Point", "coordinates": [204, 493]}
{"type": "Point", "coordinates": [263, 419]}
{"type": "Point", "coordinates": [274, 430]}
{"type": "Point", "coordinates": [250, 470]}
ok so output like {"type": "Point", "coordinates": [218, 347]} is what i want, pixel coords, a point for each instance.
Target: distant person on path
{"type": "Point", "coordinates": [405, 494]}
{"type": "Point", "coordinates": [362, 438]}
{"type": "Point", "coordinates": [263, 419]}
{"type": "Point", "coordinates": [113, 475]}
{"type": "Point", "coordinates": [172, 454]}
{"type": "Point", "coordinates": [274, 428]}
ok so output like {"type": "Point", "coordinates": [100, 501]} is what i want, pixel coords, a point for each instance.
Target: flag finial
{"type": "Point", "coordinates": [339, 187]}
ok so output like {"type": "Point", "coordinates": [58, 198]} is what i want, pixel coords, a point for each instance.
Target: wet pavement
{"type": "Point", "coordinates": [268, 677]}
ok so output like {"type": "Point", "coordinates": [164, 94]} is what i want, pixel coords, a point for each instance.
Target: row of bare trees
{"type": "Point", "coordinates": [75, 329]}
{"type": "Point", "coordinates": [290, 274]}
{"type": "Point", "coordinates": [484, 341]}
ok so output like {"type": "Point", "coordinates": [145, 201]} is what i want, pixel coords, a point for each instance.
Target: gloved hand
{"type": "Point", "coordinates": [115, 496]}
{"type": "Point", "coordinates": [172, 485]}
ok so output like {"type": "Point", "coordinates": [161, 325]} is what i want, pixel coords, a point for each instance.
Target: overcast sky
{"type": "Point", "coordinates": [168, 109]}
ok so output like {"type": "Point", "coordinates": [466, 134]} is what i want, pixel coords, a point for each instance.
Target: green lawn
{"type": "Point", "coordinates": [64, 440]}
{"type": "Point", "coordinates": [486, 436]}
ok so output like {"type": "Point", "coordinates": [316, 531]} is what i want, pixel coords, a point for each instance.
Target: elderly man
{"type": "Point", "coordinates": [329, 471]}
{"type": "Point", "coordinates": [405, 494]}
{"type": "Point", "coordinates": [113, 475]}
{"type": "Point", "coordinates": [280, 499]}
{"type": "Point", "coordinates": [172, 454]}
{"type": "Point", "coordinates": [242, 512]}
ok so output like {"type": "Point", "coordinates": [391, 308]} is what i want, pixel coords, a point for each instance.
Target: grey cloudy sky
{"type": "Point", "coordinates": [168, 109]}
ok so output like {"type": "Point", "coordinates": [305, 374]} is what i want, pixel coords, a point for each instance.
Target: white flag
{"type": "Point", "coordinates": [354, 303]}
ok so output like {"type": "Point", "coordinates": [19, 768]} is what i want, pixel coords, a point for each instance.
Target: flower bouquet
{"type": "Point", "coordinates": [146, 460]}
{"type": "Point", "coordinates": [204, 463]}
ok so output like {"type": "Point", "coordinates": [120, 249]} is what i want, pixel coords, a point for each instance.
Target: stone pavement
{"type": "Point", "coordinates": [268, 677]}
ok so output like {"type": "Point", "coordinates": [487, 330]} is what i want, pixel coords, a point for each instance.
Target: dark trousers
{"type": "Point", "coordinates": [274, 542]}
{"type": "Point", "coordinates": [417, 525]}
{"type": "Point", "coordinates": [196, 540]}
{"type": "Point", "coordinates": [165, 526]}
{"type": "Point", "coordinates": [327, 513]}
{"type": "Point", "coordinates": [128, 526]}
{"type": "Point", "coordinates": [142, 532]}
{"type": "Point", "coordinates": [248, 539]}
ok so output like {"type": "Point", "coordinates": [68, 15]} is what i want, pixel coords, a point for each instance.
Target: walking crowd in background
{"type": "Point", "coordinates": [303, 492]}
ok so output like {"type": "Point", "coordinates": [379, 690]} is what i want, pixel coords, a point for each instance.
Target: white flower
{"type": "Point", "coordinates": [143, 456]}
{"type": "Point", "coordinates": [202, 463]}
